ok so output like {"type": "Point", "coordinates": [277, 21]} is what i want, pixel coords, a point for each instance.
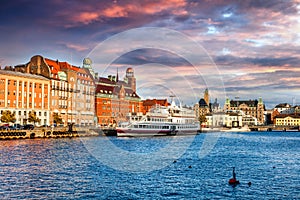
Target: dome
{"type": "Point", "coordinates": [202, 103]}
{"type": "Point", "coordinates": [87, 61]}
{"type": "Point", "coordinates": [129, 70]}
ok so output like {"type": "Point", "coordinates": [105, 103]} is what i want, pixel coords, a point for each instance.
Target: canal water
{"type": "Point", "coordinates": [153, 168]}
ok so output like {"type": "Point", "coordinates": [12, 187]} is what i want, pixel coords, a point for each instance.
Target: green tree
{"type": "Point", "coordinates": [8, 116]}
{"type": "Point", "coordinates": [57, 119]}
{"type": "Point", "coordinates": [33, 118]}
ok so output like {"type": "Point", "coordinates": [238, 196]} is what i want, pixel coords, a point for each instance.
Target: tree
{"type": "Point", "coordinates": [202, 119]}
{"type": "Point", "coordinates": [57, 119]}
{"type": "Point", "coordinates": [8, 116]}
{"type": "Point", "coordinates": [33, 118]}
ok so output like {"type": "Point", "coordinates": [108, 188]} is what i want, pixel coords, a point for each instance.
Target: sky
{"type": "Point", "coordinates": [237, 49]}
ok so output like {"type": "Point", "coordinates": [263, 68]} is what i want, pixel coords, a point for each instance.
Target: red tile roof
{"type": "Point", "coordinates": [54, 65]}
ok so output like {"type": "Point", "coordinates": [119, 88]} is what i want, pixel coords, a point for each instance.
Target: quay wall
{"type": "Point", "coordinates": [48, 133]}
{"type": "Point", "coordinates": [274, 128]}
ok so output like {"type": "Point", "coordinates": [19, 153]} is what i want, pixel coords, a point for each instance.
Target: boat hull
{"type": "Point", "coordinates": [124, 132]}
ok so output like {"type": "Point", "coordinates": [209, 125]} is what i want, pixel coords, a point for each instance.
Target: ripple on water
{"type": "Point", "coordinates": [64, 169]}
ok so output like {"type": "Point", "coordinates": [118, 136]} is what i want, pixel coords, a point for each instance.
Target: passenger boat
{"type": "Point", "coordinates": [162, 121]}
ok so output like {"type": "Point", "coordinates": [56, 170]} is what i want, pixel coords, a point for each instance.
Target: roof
{"type": "Point", "coordinates": [106, 80]}
{"type": "Point", "coordinates": [66, 65]}
{"type": "Point", "coordinates": [296, 115]}
{"type": "Point", "coordinates": [283, 105]}
{"type": "Point", "coordinates": [151, 102]}
{"type": "Point", "coordinates": [21, 74]}
{"type": "Point", "coordinates": [54, 66]}
{"type": "Point", "coordinates": [202, 103]}
{"type": "Point", "coordinates": [114, 89]}
{"type": "Point", "coordinates": [250, 103]}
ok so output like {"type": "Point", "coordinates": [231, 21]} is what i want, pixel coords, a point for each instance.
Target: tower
{"type": "Point", "coordinates": [87, 63]}
{"type": "Point", "coordinates": [131, 79]}
{"type": "Point", "coordinates": [206, 96]}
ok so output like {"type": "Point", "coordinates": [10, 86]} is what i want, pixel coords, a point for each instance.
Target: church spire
{"type": "Point", "coordinates": [117, 79]}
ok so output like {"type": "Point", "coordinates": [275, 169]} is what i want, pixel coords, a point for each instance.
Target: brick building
{"type": "Point", "coordinates": [148, 103]}
{"type": "Point", "coordinates": [116, 99]}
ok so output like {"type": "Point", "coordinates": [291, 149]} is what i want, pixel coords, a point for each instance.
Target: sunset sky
{"type": "Point", "coordinates": [250, 49]}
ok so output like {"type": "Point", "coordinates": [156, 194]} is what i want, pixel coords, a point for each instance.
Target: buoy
{"type": "Point", "coordinates": [249, 183]}
{"type": "Point", "coordinates": [174, 161]}
{"type": "Point", "coordinates": [233, 180]}
{"type": "Point", "coordinates": [190, 166]}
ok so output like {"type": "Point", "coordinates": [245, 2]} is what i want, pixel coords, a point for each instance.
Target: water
{"type": "Point", "coordinates": [68, 169]}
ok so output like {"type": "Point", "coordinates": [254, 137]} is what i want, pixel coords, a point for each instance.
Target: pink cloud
{"type": "Point", "coordinates": [116, 10]}
{"type": "Point", "coordinates": [86, 17]}
{"type": "Point", "coordinates": [75, 46]}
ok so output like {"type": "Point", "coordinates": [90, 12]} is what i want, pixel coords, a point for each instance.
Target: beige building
{"type": "Point", "coordinates": [287, 120]}
{"type": "Point", "coordinates": [253, 108]}
{"type": "Point", "coordinates": [72, 89]}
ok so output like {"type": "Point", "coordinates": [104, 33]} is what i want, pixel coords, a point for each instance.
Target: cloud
{"type": "Point", "coordinates": [74, 46]}
{"type": "Point", "coordinates": [255, 44]}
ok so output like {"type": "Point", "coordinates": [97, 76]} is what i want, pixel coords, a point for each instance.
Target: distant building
{"type": "Point", "coordinates": [283, 108]}
{"type": "Point", "coordinates": [148, 103]}
{"type": "Point", "coordinates": [204, 107]}
{"type": "Point", "coordinates": [287, 120]}
{"type": "Point", "coordinates": [253, 108]}
{"type": "Point", "coordinates": [223, 119]}
{"type": "Point", "coordinates": [115, 98]}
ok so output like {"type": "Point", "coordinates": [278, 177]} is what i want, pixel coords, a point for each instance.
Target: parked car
{"type": "Point", "coordinates": [4, 128]}
{"type": "Point", "coordinates": [18, 126]}
{"type": "Point", "coordinates": [12, 128]}
{"type": "Point", "coordinates": [28, 127]}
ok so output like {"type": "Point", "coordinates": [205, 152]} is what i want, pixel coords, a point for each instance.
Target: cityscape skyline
{"type": "Point", "coordinates": [254, 44]}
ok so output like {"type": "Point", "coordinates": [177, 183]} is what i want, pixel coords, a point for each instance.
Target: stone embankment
{"type": "Point", "coordinates": [49, 133]}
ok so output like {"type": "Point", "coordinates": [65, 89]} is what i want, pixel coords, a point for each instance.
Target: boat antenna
{"type": "Point", "coordinates": [172, 99]}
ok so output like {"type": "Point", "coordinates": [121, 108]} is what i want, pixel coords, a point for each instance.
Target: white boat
{"type": "Point", "coordinates": [162, 121]}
